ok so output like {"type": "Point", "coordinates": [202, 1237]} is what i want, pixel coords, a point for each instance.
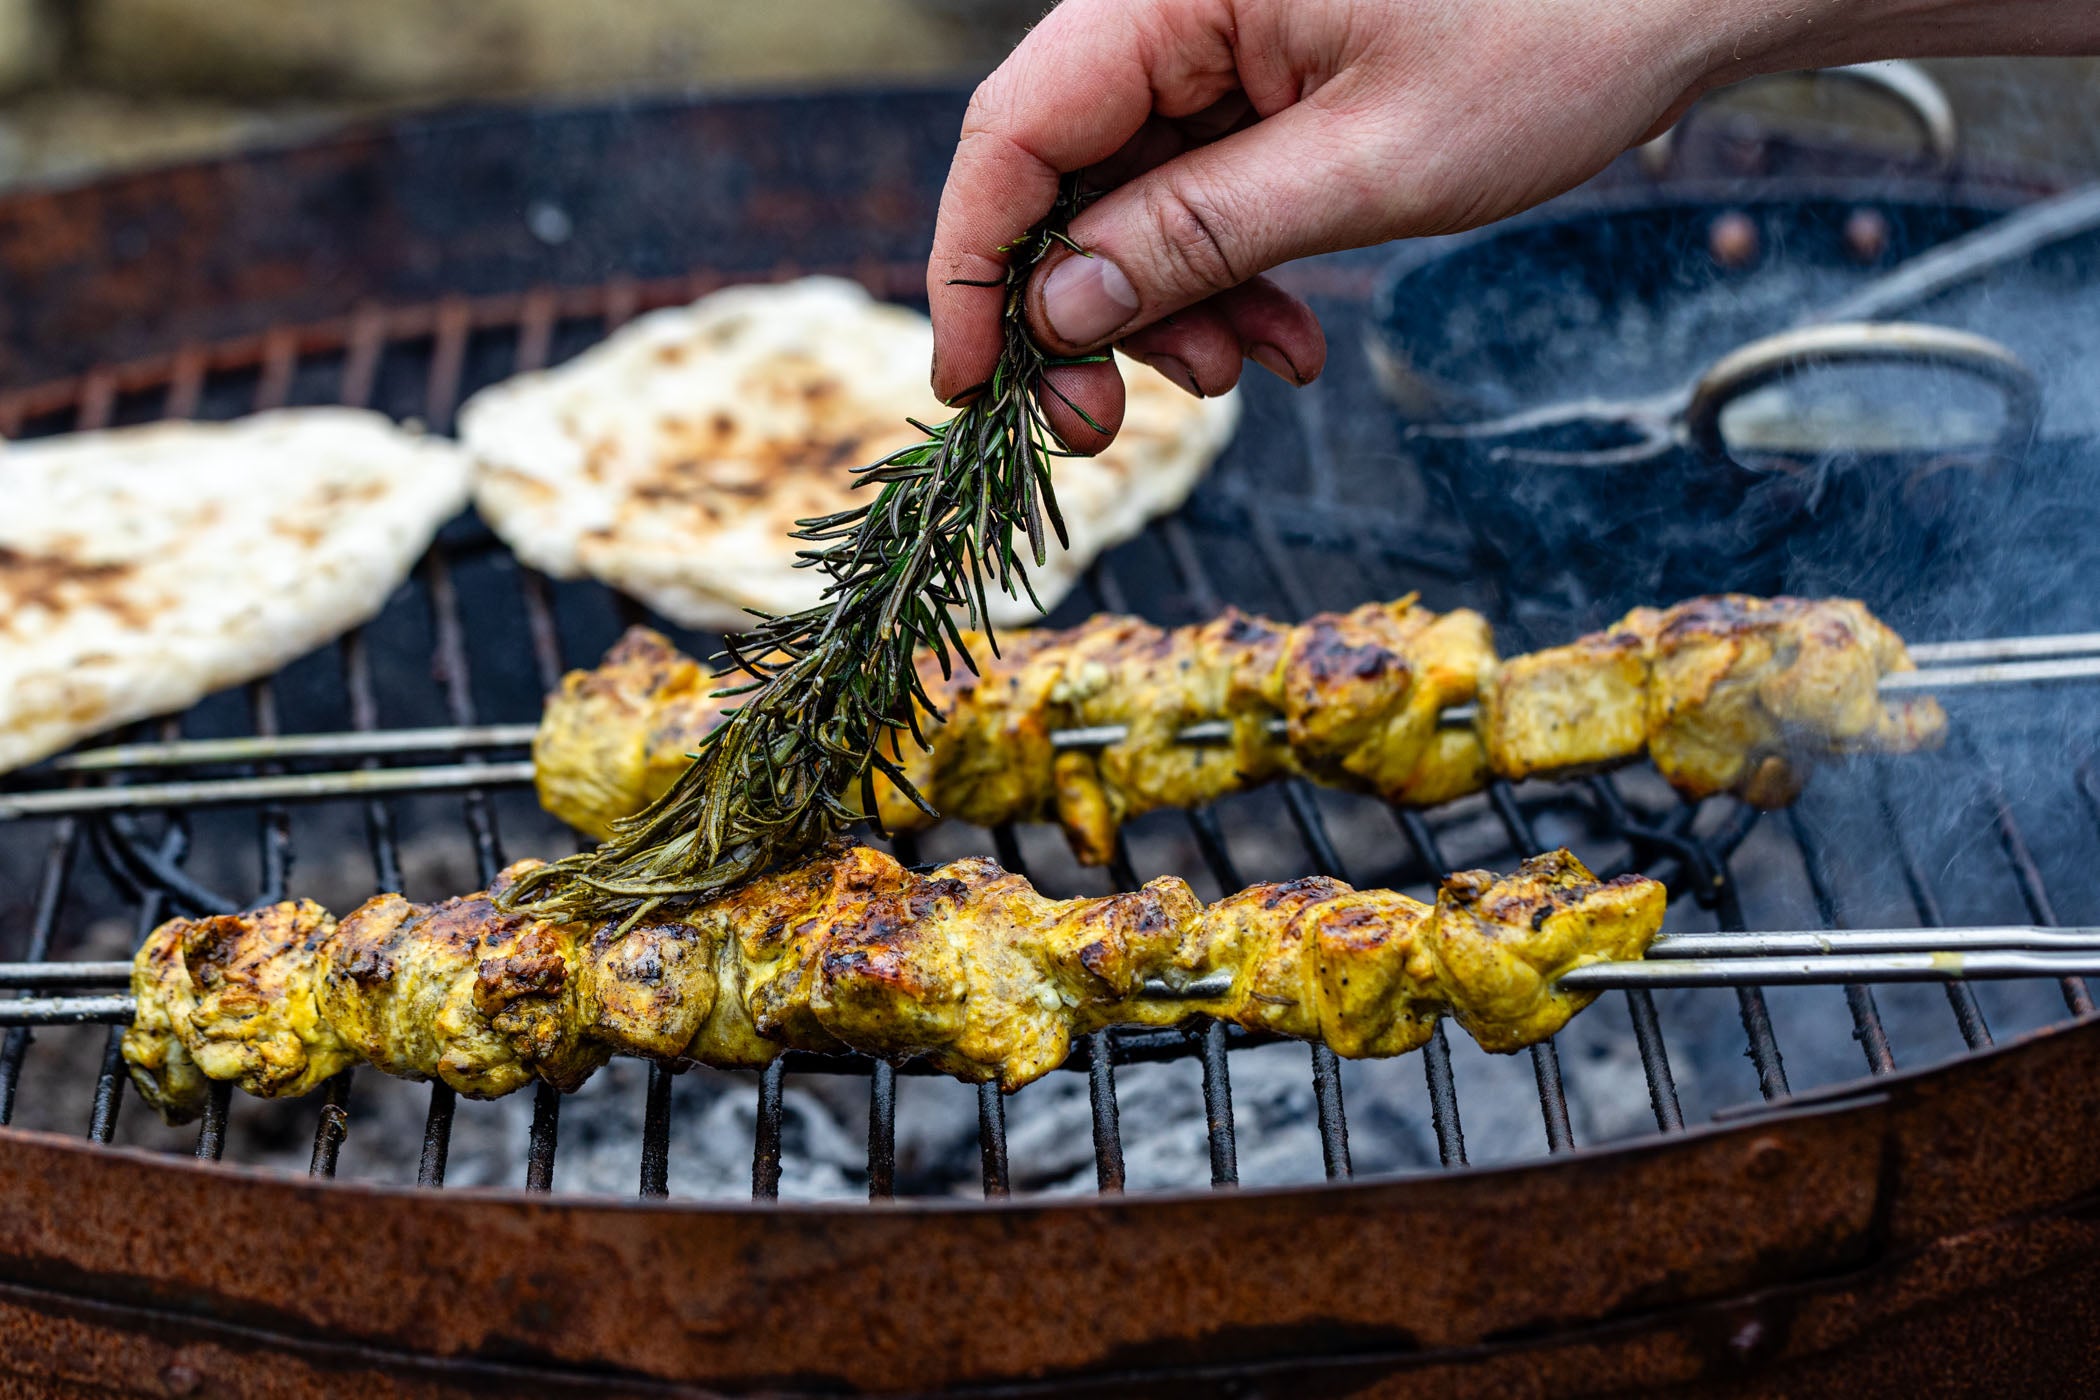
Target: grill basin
{"type": "Point", "coordinates": [371, 270]}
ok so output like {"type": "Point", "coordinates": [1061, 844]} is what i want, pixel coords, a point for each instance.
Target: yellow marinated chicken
{"type": "Point", "coordinates": [968, 967]}
{"type": "Point", "coordinates": [1358, 694]}
{"type": "Point", "coordinates": [458, 991]}
{"type": "Point", "coordinates": [1725, 694]}
{"type": "Point", "coordinates": [614, 738]}
{"type": "Point", "coordinates": [233, 997]}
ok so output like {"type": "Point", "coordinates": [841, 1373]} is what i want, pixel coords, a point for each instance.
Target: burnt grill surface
{"type": "Point", "coordinates": [1316, 505]}
{"type": "Point", "coordinates": [1283, 528]}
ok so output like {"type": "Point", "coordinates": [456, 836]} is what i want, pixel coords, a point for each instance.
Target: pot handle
{"type": "Point", "coordinates": [1918, 91]}
{"type": "Point", "coordinates": [1788, 353]}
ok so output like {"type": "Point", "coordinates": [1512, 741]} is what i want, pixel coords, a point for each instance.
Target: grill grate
{"type": "Point", "coordinates": [419, 361]}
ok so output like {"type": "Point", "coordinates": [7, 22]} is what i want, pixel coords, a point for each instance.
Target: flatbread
{"type": "Point", "coordinates": [673, 459]}
{"type": "Point", "coordinates": [143, 568]}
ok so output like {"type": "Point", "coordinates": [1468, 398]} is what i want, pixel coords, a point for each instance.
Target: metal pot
{"type": "Point", "coordinates": [1558, 421]}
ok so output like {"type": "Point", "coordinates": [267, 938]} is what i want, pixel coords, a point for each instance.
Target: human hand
{"type": "Point", "coordinates": [1228, 136]}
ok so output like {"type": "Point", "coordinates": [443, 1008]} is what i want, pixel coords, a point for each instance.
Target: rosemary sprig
{"type": "Point", "coordinates": [825, 687]}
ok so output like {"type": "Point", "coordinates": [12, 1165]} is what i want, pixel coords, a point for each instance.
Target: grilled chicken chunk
{"type": "Point", "coordinates": [233, 997]}
{"type": "Point", "coordinates": [1358, 692]}
{"type": "Point", "coordinates": [1726, 694]}
{"type": "Point", "coordinates": [967, 966]}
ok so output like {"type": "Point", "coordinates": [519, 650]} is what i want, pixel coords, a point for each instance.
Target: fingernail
{"type": "Point", "coordinates": [1276, 363]}
{"type": "Point", "coordinates": [1177, 371]}
{"type": "Point", "coordinates": [1087, 300]}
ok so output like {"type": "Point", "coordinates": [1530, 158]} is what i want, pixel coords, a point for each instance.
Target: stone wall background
{"type": "Point", "coordinates": [93, 85]}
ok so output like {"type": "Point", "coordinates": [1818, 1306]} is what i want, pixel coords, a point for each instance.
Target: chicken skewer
{"type": "Point", "coordinates": [185, 753]}
{"type": "Point", "coordinates": [966, 966]}
{"type": "Point", "coordinates": [1797, 957]}
{"type": "Point", "coordinates": [1724, 694]}
{"type": "Point", "coordinates": [2031, 938]}
{"type": "Point", "coordinates": [1980, 661]}
{"type": "Point", "coordinates": [1992, 662]}
{"type": "Point", "coordinates": [1093, 726]}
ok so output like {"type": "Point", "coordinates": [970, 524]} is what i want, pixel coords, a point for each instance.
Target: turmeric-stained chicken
{"type": "Point", "coordinates": [966, 966]}
{"type": "Point", "coordinates": [1358, 692]}
{"type": "Point", "coordinates": [1726, 694]}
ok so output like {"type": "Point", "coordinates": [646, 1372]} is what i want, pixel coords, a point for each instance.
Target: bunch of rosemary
{"type": "Point", "coordinates": [824, 688]}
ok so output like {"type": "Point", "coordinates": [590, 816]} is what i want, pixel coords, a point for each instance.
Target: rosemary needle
{"type": "Point", "coordinates": [823, 689]}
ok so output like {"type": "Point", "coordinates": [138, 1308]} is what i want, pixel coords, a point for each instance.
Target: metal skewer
{"type": "Point", "coordinates": [1802, 957]}
{"type": "Point", "coordinates": [358, 743]}
{"type": "Point", "coordinates": [1981, 662]}
{"type": "Point", "coordinates": [1828, 969]}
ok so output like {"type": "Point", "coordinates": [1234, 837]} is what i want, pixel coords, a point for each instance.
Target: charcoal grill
{"type": "Point", "coordinates": [1920, 1221]}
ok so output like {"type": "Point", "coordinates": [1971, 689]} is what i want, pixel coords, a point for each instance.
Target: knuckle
{"type": "Point", "coordinates": [1188, 231]}
{"type": "Point", "coordinates": [991, 108]}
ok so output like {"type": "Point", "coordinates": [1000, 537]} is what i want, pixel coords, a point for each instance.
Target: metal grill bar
{"type": "Point", "coordinates": [109, 1088]}
{"type": "Point", "coordinates": [1640, 1004]}
{"type": "Point", "coordinates": [1968, 1014]}
{"type": "Point", "coordinates": [539, 1146]}
{"type": "Point", "coordinates": [1436, 1053]}
{"type": "Point", "coordinates": [2029, 876]}
{"type": "Point", "coordinates": [991, 1139]}
{"type": "Point", "coordinates": [111, 1076]}
{"type": "Point", "coordinates": [1326, 1067]}
{"type": "Point", "coordinates": [437, 1136]}
{"type": "Point", "coordinates": [991, 1107]}
{"type": "Point", "coordinates": [1305, 814]}
{"type": "Point", "coordinates": [1750, 1001]}
{"type": "Point", "coordinates": [360, 370]}
{"type": "Point", "coordinates": [68, 1011]}
{"type": "Point", "coordinates": [765, 1144]}
{"type": "Point", "coordinates": [1101, 1096]}
{"type": "Point", "coordinates": [1866, 1017]}
{"type": "Point", "coordinates": [218, 792]}
{"type": "Point", "coordinates": [50, 895]}
{"type": "Point", "coordinates": [1545, 1057]}
{"type": "Point", "coordinates": [211, 1133]}
{"type": "Point", "coordinates": [1211, 1040]}
{"type": "Point", "coordinates": [450, 662]}
{"type": "Point", "coordinates": [1829, 969]}
{"type": "Point", "coordinates": [333, 1126]}
{"type": "Point", "coordinates": [656, 1135]}
{"type": "Point", "coordinates": [882, 1131]}
{"type": "Point", "coordinates": [1217, 1075]}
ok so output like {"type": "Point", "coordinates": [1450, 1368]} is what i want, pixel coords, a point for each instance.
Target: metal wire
{"type": "Point", "coordinates": [1859, 1000]}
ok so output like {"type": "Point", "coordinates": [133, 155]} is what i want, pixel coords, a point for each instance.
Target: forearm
{"type": "Point", "coordinates": [1779, 35]}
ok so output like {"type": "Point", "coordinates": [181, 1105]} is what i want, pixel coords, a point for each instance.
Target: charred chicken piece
{"type": "Point", "coordinates": [1726, 694]}
{"type": "Point", "coordinates": [233, 997]}
{"type": "Point", "coordinates": [614, 738]}
{"type": "Point", "coordinates": [1359, 694]}
{"type": "Point", "coordinates": [968, 967]}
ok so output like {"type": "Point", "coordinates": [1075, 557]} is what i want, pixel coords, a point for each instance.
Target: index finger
{"type": "Point", "coordinates": [1076, 89]}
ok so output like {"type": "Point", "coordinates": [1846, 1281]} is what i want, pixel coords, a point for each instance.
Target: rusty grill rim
{"type": "Point", "coordinates": [1748, 1118]}
{"type": "Point", "coordinates": [1897, 1236]}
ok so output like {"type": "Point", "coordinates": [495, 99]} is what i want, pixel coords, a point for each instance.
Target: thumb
{"type": "Point", "coordinates": [1207, 220]}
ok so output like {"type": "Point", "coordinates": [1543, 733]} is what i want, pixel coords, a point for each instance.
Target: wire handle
{"type": "Point", "coordinates": [1789, 353]}
{"type": "Point", "coordinates": [1917, 91]}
